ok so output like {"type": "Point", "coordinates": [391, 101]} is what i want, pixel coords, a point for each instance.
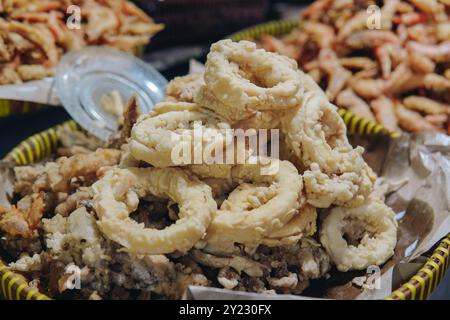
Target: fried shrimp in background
{"type": "Point", "coordinates": [406, 57]}
{"type": "Point", "coordinates": [35, 34]}
{"type": "Point", "coordinates": [117, 194]}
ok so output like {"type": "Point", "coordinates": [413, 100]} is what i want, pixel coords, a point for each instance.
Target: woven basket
{"type": "Point", "coordinates": [39, 146]}
{"type": "Point", "coordinates": [12, 107]}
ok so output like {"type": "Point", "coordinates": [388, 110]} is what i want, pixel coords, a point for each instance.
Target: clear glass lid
{"type": "Point", "coordinates": [85, 77]}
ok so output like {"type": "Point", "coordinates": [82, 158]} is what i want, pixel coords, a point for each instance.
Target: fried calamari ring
{"type": "Point", "coordinates": [372, 230]}
{"type": "Point", "coordinates": [304, 224]}
{"type": "Point", "coordinates": [349, 189]}
{"type": "Point", "coordinates": [172, 128]}
{"type": "Point", "coordinates": [207, 100]}
{"type": "Point", "coordinates": [317, 136]}
{"type": "Point", "coordinates": [239, 118]}
{"type": "Point", "coordinates": [215, 171]}
{"type": "Point", "coordinates": [117, 195]}
{"type": "Point", "coordinates": [259, 206]}
{"type": "Point", "coordinates": [241, 77]}
{"type": "Point", "coordinates": [260, 120]}
{"type": "Point", "coordinates": [185, 88]}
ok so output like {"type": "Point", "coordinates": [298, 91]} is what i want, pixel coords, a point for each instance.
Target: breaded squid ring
{"type": "Point", "coordinates": [260, 120]}
{"type": "Point", "coordinates": [259, 206]}
{"type": "Point", "coordinates": [184, 88]}
{"type": "Point", "coordinates": [238, 118]}
{"type": "Point", "coordinates": [156, 136]}
{"type": "Point", "coordinates": [317, 136]}
{"type": "Point", "coordinates": [378, 238]}
{"type": "Point", "coordinates": [242, 77]}
{"type": "Point", "coordinates": [207, 100]}
{"type": "Point", "coordinates": [304, 224]}
{"type": "Point", "coordinates": [117, 194]}
{"type": "Point", "coordinates": [349, 189]}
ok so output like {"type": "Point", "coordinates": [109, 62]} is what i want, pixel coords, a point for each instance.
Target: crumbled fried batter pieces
{"type": "Point", "coordinates": [269, 268]}
{"type": "Point", "coordinates": [23, 220]}
{"type": "Point", "coordinates": [64, 174]}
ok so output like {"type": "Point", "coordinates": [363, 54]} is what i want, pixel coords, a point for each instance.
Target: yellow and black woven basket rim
{"type": "Point", "coordinates": [12, 107]}
{"type": "Point", "coordinates": [32, 150]}
{"type": "Point", "coordinates": [273, 28]}
{"type": "Point", "coordinates": [41, 145]}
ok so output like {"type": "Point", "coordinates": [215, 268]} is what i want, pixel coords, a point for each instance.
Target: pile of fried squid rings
{"type": "Point", "coordinates": [226, 207]}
